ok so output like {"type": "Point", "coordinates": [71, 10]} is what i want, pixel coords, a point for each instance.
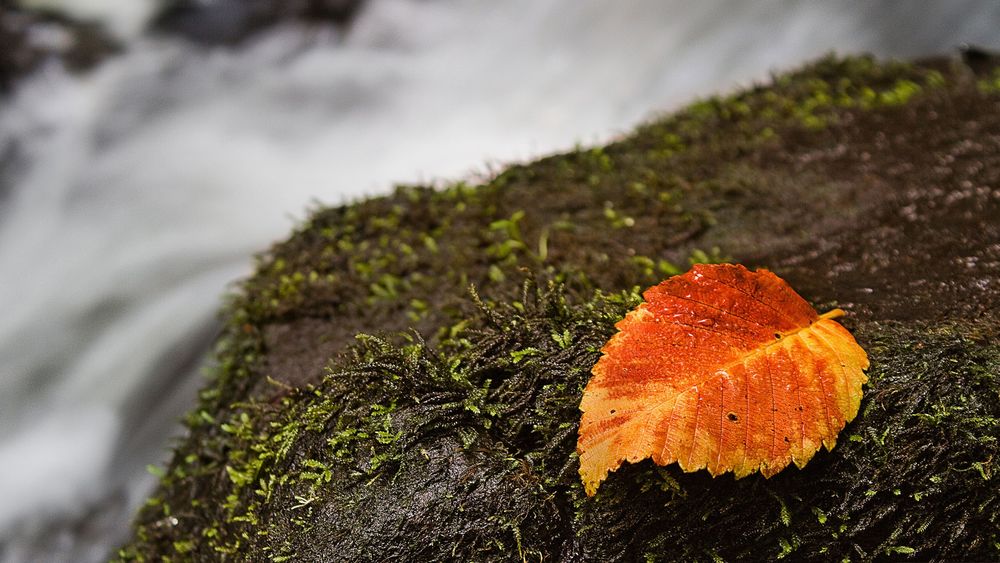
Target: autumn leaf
{"type": "Point", "coordinates": [721, 368]}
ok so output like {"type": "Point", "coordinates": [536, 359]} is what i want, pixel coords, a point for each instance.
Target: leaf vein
{"type": "Point", "coordinates": [753, 297]}
{"type": "Point", "coordinates": [730, 313]}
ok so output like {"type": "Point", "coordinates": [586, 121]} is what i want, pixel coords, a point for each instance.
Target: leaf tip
{"type": "Point", "coordinates": [591, 481]}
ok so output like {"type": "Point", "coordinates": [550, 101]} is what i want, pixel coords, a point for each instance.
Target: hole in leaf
{"type": "Point", "coordinates": [732, 417]}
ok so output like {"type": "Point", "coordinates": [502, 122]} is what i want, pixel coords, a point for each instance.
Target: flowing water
{"type": "Point", "coordinates": [132, 196]}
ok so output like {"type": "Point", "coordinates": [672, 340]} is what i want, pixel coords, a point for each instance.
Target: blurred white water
{"type": "Point", "coordinates": [131, 196]}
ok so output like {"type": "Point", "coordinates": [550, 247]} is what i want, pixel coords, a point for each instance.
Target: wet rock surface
{"type": "Point", "coordinates": [450, 434]}
{"type": "Point", "coordinates": [228, 22]}
{"type": "Point", "coordinates": [29, 38]}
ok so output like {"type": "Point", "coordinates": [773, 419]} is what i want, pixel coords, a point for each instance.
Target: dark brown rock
{"type": "Point", "coordinates": [872, 187]}
{"type": "Point", "coordinates": [27, 39]}
{"type": "Point", "coordinates": [228, 22]}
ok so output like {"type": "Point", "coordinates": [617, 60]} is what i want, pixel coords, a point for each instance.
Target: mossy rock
{"type": "Point", "coordinates": [447, 429]}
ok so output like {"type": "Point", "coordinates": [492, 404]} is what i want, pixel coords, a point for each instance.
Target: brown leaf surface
{"type": "Point", "coordinates": [721, 368]}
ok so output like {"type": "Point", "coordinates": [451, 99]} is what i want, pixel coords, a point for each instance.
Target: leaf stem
{"type": "Point", "coordinates": [833, 314]}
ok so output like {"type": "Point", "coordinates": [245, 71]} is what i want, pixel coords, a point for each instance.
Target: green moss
{"type": "Point", "coordinates": [990, 84]}
{"type": "Point", "coordinates": [812, 99]}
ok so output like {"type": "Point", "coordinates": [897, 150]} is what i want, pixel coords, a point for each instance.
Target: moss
{"type": "Point", "coordinates": [812, 99]}
{"type": "Point", "coordinates": [990, 84]}
{"type": "Point", "coordinates": [448, 431]}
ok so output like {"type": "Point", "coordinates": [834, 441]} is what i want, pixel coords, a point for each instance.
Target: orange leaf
{"type": "Point", "coordinates": [721, 368]}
